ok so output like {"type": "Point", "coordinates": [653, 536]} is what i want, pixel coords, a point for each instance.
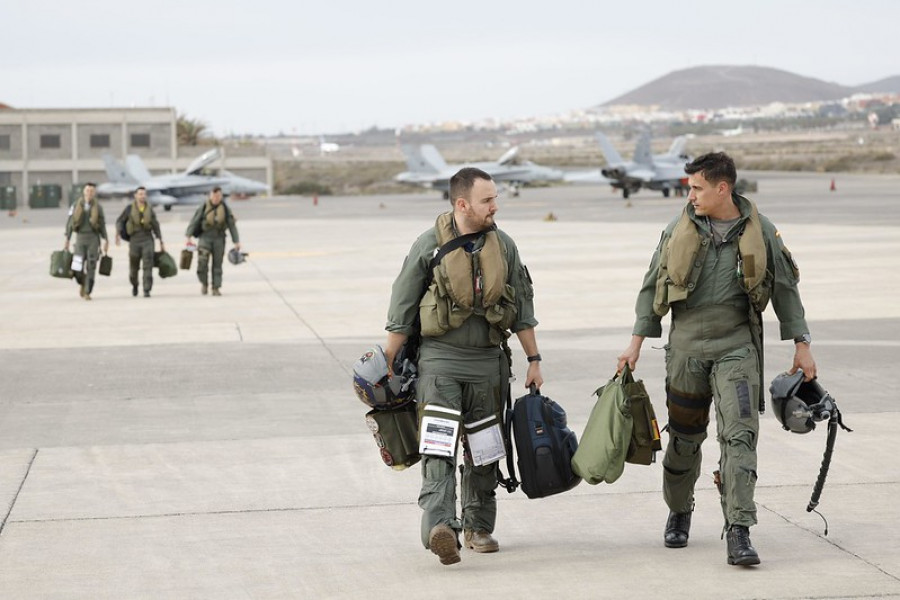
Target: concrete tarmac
{"type": "Point", "coordinates": [186, 446]}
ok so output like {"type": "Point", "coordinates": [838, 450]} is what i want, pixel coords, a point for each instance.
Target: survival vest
{"type": "Point", "coordinates": [468, 283]}
{"type": "Point", "coordinates": [139, 220]}
{"type": "Point", "coordinates": [679, 267]}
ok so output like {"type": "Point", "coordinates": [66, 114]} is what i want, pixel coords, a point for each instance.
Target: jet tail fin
{"type": "Point", "coordinates": [609, 151]}
{"type": "Point", "coordinates": [642, 151]}
{"type": "Point", "coordinates": [136, 167]}
{"type": "Point", "coordinates": [115, 172]}
{"type": "Point", "coordinates": [423, 159]}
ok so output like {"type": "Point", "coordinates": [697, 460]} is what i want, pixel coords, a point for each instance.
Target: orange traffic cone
{"type": "Point", "coordinates": [832, 184]}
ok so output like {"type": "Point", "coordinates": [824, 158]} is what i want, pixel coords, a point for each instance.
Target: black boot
{"type": "Point", "coordinates": [740, 550]}
{"type": "Point", "coordinates": [678, 528]}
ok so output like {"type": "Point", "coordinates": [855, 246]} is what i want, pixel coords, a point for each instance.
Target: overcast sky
{"type": "Point", "coordinates": [320, 66]}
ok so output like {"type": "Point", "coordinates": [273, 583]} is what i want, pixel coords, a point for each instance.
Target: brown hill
{"type": "Point", "coordinates": [888, 85]}
{"type": "Point", "coordinates": [720, 86]}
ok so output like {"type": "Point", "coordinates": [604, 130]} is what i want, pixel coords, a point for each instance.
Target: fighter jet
{"type": "Point", "coordinates": [427, 168]}
{"type": "Point", "coordinates": [662, 173]}
{"type": "Point", "coordinates": [190, 187]}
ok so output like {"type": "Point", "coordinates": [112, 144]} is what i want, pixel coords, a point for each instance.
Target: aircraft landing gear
{"type": "Point", "coordinates": [625, 193]}
{"type": "Point", "coordinates": [665, 192]}
{"type": "Point", "coordinates": [167, 207]}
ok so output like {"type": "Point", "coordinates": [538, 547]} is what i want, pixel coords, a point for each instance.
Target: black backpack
{"type": "Point", "coordinates": [544, 445]}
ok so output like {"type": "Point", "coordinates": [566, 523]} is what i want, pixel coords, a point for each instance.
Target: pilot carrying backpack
{"type": "Point", "coordinates": [544, 445]}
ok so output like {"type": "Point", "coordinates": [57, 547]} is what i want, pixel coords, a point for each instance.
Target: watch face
{"type": "Point", "coordinates": [804, 338]}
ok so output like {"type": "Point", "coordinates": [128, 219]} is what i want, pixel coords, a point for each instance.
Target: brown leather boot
{"type": "Point", "coordinates": [480, 540]}
{"type": "Point", "coordinates": [204, 290]}
{"type": "Point", "coordinates": [442, 541]}
{"type": "Point", "coordinates": [216, 292]}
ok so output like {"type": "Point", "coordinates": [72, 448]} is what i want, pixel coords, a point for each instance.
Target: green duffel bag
{"type": "Point", "coordinates": [607, 436]}
{"type": "Point", "coordinates": [61, 264]}
{"type": "Point", "coordinates": [396, 434]}
{"type": "Point", "coordinates": [165, 263]}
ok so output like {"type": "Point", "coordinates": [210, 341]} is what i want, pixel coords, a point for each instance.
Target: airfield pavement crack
{"type": "Point", "coordinates": [830, 542]}
{"type": "Point", "coordinates": [18, 491]}
{"type": "Point", "coordinates": [306, 324]}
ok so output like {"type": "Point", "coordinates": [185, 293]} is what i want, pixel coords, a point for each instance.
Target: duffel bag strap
{"type": "Point", "coordinates": [510, 484]}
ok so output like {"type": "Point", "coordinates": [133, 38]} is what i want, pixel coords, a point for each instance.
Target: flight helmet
{"type": "Point", "coordinates": [375, 387]}
{"type": "Point", "coordinates": [236, 257]}
{"type": "Point", "coordinates": [800, 404]}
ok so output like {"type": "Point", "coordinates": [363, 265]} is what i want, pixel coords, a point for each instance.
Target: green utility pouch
{"type": "Point", "coordinates": [105, 267]}
{"type": "Point", "coordinates": [165, 263]}
{"type": "Point", "coordinates": [396, 434]}
{"type": "Point", "coordinates": [645, 440]}
{"type": "Point", "coordinates": [61, 264]}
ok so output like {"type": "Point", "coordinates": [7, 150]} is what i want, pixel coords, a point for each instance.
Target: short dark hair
{"type": "Point", "coordinates": [89, 183]}
{"type": "Point", "coordinates": [139, 188]}
{"type": "Point", "coordinates": [463, 180]}
{"type": "Point", "coordinates": [215, 189]}
{"type": "Point", "coordinates": [715, 167]}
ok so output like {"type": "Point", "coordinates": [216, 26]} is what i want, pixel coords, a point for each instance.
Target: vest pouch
{"type": "Point", "coordinates": [429, 317]}
{"type": "Point", "coordinates": [503, 314]}
{"type": "Point", "coordinates": [396, 435]}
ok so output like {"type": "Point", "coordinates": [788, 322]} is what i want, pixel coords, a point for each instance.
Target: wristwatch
{"type": "Point", "coordinates": [534, 358]}
{"type": "Point", "coordinates": [805, 338]}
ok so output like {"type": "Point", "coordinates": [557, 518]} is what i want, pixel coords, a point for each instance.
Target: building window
{"type": "Point", "coordinates": [51, 140]}
{"type": "Point", "coordinates": [140, 140]}
{"type": "Point", "coordinates": [4, 142]}
{"type": "Point", "coordinates": [99, 140]}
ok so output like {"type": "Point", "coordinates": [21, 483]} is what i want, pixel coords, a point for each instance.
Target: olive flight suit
{"type": "Point", "coordinates": [714, 354]}
{"type": "Point", "coordinates": [462, 370]}
{"type": "Point", "coordinates": [140, 242]}
{"type": "Point", "coordinates": [211, 242]}
{"type": "Point", "coordinates": [87, 241]}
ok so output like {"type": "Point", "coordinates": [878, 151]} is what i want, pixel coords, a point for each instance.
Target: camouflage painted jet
{"type": "Point", "coordinates": [189, 187]}
{"type": "Point", "coordinates": [427, 168]}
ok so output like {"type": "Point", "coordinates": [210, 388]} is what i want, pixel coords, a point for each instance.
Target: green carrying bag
{"type": "Point", "coordinates": [61, 264]}
{"type": "Point", "coordinates": [606, 438]}
{"type": "Point", "coordinates": [396, 434]}
{"type": "Point", "coordinates": [645, 441]}
{"type": "Point", "coordinates": [165, 263]}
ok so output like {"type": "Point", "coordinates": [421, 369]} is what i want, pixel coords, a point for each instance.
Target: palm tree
{"type": "Point", "coordinates": [190, 131]}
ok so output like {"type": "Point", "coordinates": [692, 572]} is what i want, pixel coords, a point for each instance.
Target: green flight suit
{"type": "Point", "coordinates": [211, 242]}
{"type": "Point", "coordinates": [87, 242]}
{"type": "Point", "coordinates": [140, 245]}
{"type": "Point", "coordinates": [714, 353]}
{"type": "Point", "coordinates": [462, 370]}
